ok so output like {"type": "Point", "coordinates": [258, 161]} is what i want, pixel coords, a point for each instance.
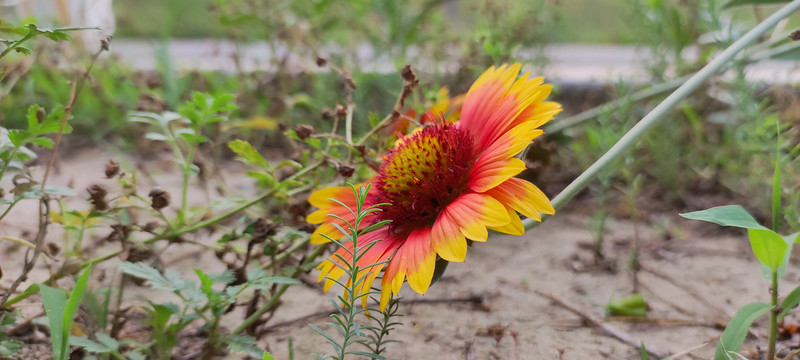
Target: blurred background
{"type": "Point", "coordinates": [632, 53]}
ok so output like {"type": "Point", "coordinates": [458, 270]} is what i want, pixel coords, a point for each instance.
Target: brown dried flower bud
{"type": "Point", "coordinates": [327, 114]}
{"type": "Point", "coordinates": [262, 229]}
{"type": "Point", "coordinates": [97, 197]}
{"type": "Point", "coordinates": [105, 43]}
{"type": "Point", "coordinates": [303, 131]}
{"type": "Point", "coordinates": [112, 169]}
{"type": "Point", "coordinates": [52, 249]}
{"type": "Point", "coordinates": [322, 61]}
{"type": "Point", "coordinates": [408, 74]}
{"type": "Point", "coordinates": [350, 82]}
{"type": "Point", "coordinates": [341, 111]}
{"type": "Point", "coordinates": [159, 198]}
{"type": "Point", "coordinates": [282, 127]}
{"type": "Point", "coordinates": [795, 35]}
{"type": "Point", "coordinates": [346, 170]}
{"type": "Point", "coordinates": [41, 115]}
{"type": "Point", "coordinates": [150, 227]}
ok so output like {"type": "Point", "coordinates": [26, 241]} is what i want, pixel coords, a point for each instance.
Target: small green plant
{"type": "Point", "coordinates": [203, 303]}
{"type": "Point", "coordinates": [8, 347]}
{"type": "Point", "coordinates": [772, 251]}
{"type": "Point", "coordinates": [346, 323]}
{"type": "Point", "coordinates": [60, 311]}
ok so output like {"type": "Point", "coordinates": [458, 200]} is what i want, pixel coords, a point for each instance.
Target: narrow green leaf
{"type": "Point", "coordinates": [734, 334]}
{"type": "Point", "coordinates": [788, 303]}
{"type": "Point", "coordinates": [54, 301]}
{"type": "Point", "coordinates": [248, 153]}
{"type": "Point", "coordinates": [752, 2]}
{"type": "Point", "coordinates": [768, 247]}
{"type": "Point", "coordinates": [729, 215]}
{"type": "Point", "coordinates": [643, 354]}
{"type": "Point", "coordinates": [776, 182]}
{"type": "Point", "coordinates": [73, 302]}
{"type": "Point", "coordinates": [90, 345]}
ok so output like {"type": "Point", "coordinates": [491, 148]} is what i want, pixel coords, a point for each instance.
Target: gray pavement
{"type": "Point", "coordinates": [567, 63]}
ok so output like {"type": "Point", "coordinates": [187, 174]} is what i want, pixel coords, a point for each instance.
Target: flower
{"type": "Point", "coordinates": [447, 183]}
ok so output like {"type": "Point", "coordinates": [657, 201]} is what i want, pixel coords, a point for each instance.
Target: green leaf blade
{"type": "Point", "coordinates": [729, 215]}
{"type": "Point", "coordinates": [734, 334]}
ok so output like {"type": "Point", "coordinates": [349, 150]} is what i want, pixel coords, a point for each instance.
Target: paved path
{"type": "Point", "coordinates": [568, 63]}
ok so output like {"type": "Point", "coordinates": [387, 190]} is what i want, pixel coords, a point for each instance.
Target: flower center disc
{"type": "Point", "coordinates": [424, 174]}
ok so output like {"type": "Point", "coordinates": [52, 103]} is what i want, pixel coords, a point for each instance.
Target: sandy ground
{"type": "Point", "coordinates": [693, 276]}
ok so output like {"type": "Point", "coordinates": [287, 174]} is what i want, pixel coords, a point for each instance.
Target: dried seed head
{"type": "Point", "coordinates": [408, 74]}
{"type": "Point", "coordinates": [327, 114]}
{"type": "Point", "coordinates": [112, 169]}
{"type": "Point", "coordinates": [159, 198]}
{"type": "Point", "coordinates": [350, 82]}
{"type": "Point", "coordinates": [120, 233]}
{"type": "Point", "coordinates": [263, 228]}
{"type": "Point", "coordinates": [795, 35]}
{"type": "Point", "coordinates": [282, 127]}
{"type": "Point", "coordinates": [150, 227]}
{"type": "Point", "coordinates": [346, 170]}
{"type": "Point", "coordinates": [41, 115]}
{"type": "Point", "coordinates": [97, 197]}
{"type": "Point", "coordinates": [105, 43]}
{"type": "Point", "coordinates": [322, 61]}
{"type": "Point", "coordinates": [341, 111]}
{"type": "Point", "coordinates": [303, 131]}
{"type": "Point", "coordinates": [53, 249]}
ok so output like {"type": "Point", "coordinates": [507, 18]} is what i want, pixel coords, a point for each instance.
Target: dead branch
{"type": "Point", "coordinates": [610, 329]}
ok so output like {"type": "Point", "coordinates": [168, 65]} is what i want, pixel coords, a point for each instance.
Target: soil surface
{"type": "Point", "coordinates": [514, 297]}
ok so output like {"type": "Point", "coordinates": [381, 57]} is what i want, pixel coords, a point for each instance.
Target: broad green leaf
{"type": "Point", "coordinates": [734, 334]}
{"type": "Point", "coordinates": [268, 356]}
{"type": "Point", "coordinates": [729, 215]}
{"type": "Point", "coordinates": [768, 247]}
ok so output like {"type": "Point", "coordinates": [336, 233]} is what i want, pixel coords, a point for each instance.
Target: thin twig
{"type": "Point", "coordinates": [610, 329]}
{"type": "Point", "coordinates": [44, 207]}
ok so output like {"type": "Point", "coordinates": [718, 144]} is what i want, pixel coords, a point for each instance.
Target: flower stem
{"type": "Point", "coordinates": [773, 317]}
{"type": "Point", "coordinates": [652, 118]}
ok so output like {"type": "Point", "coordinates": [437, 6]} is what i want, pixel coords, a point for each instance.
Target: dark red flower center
{"type": "Point", "coordinates": [423, 174]}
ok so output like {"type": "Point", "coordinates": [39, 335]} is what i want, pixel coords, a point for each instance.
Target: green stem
{"type": "Point", "coordinates": [773, 317]}
{"type": "Point", "coordinates": [10, 206]}
{"type": "Point", "coordinates": [627, 142]}
{"type": "Point", "coordinates": [757, 53]}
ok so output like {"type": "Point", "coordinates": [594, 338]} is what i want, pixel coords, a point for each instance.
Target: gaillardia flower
{"type": "Point", "coordinates": [447, 183]}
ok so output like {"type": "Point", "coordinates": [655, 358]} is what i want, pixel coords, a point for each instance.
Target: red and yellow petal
{"type": "Point", "coordinates": [511, 143]}
{"type": "Point", "coordinates": [498, 101]}
{"type": "Point", "coordinates": [514, 227]}
{"type": "Point", "coordinates": [523, 197]}
{"type": "Point", "coordinates": [466, 217]}
{"type": "Point", "coordinates": [414, 260]}
{"type": "Point", "coordinates": [488, 173]}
